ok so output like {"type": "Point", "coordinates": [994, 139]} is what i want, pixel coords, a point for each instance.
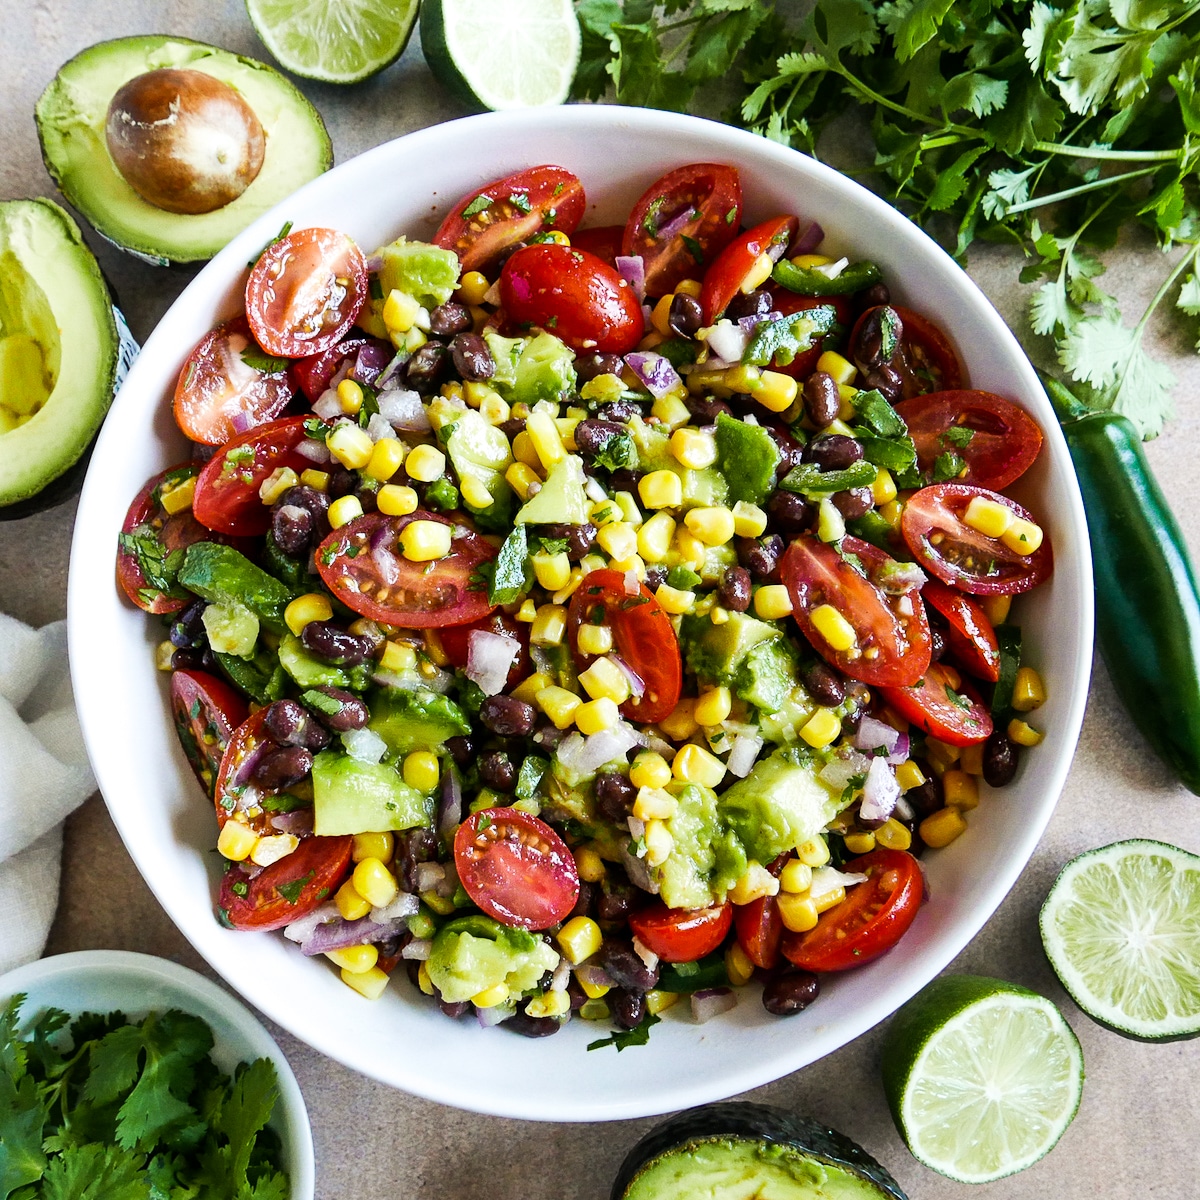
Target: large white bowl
{"type": "Point", "coordinates": [405, 187]}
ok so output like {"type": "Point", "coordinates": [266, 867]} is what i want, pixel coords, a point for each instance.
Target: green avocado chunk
{"type": "Point", "coordinates": [350, 796]}
{"type": "Point", "coordinates": [71, 115]}
{"type": "Point", "coordinates": [306, 669]}
{"type": "Point", "coordinates": [747, 456]}
{"type": "Point", "coordinates": [561, 500]}
{"type": "Point", "coordinates": [531, 369]}
{"type": "Point", "coordinates": [473, 953]}
{"type": "Point", "coordinates": [222, 575]}
{"type": "Point", "coordinates": [52, 297]}
{"type": "Point", "coordinates": [751, 656]}
{"type": "Point", "coordinates": [416, 720]}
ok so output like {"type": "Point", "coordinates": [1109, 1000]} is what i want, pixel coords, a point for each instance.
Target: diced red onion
{"type": "Point", "coordinates": [314, 451]}
{"type": "Point", "coordinates": [428, 876]}
{"type": "Point", "coordinates": [386, 563]}
{"type": "Point", "coordinates": [587, 755]}
{"type": "Point", "coordinates": [751, 324]}
{"type": "Point", "coordinates": [727, 341]}
{"type": "Point", "coordinates": [490, 1017]}
{"type": "Point", "coordinates": [904, 810]}
{"type": "Point", "coordinates": [636, 869]}
{"type": "Point", "coordinates": [660, 746]}
{"type": "Point", "coordinates": [301, 929]}
{"type": "Point", "coordinates": [675, 224]}
{"type": "Point", "coordinates": [900, 753]}
{"type": "Point", "coordinates": [244, 772]}
{"type": "Point", "coordinates": [593, 975]}
{"type": "Point", "coordinates": [633, 585]}
{"type": "Point", "coordinates": [490, 657]}
{"type": "Point", "coordinates": [328, 405]}
{"type": "Point", "coordinates": [632, 269]}
{"type": "Point", "coordinates": [561, 976]}
{"type": "Point", "coordinates": [808, 240]}
{"type": "Point", "coordinates": [741, 758]}
{"type": "Point", "coordinates": [374, 264]}
{"type": "Point", "coordinates": [298, 822]}
{"type": "Point", "coordinates": [364, 745]}
{"type": "Point", "coordinates": [711, 1002]}
{"type": "Point", "coordinates": [655, 371]}
{"type": "Point", "coordinates": [896, 578]}
{"type": "Point", "coordinates": [403, 410]}
{"type": "Point", "coordinates": [648, 957]}
{"type": "Point", "coordinates": [450, 804]}
{"type": "Point", "coordinates": [637, 685]}
{"type": "Point", "coordinates": [370, 362]}
{"type": "Point", "coordinates": [379, 427]}
{"type": "Point", "coordinates": [240, 421]}
{"type": "Point", "coordinates": [339, 933]}
{"type": "Point", "coordinates": [389, 377]}
{"type": "Point", "coordinates": [828, 879]}
{"type": "Point", "coordinates": [876, 735]}
{"type": "Point", "coordinates": [880, 793]}
{"type": "Point", "coordinates": [418, 950]}
{"type": "Point", "coordinates": [404, 905]}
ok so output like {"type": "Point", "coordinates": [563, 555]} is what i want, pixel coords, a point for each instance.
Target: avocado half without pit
{"type": "Point", "coordinates": [741, 1151]}
{"type": "Point", "coordinates": [170, 147]}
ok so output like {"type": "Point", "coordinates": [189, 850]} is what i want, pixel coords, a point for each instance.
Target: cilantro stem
{"type": "Point", "coordinates": [1109, 155]}
{"type": "Point", "coordinates": [912, 115]}
{"type": "Point", "coordinates": [1095, 186]}
{"type": "Point", "coordinates": [1179, 268]}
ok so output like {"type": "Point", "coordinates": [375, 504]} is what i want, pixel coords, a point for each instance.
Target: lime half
{"type": "Point", "coordinates": [983, 1077]}
{"type": "Point", "coordinates": [502, 53]}
{"type": "Point", "coordinates": [335, 41]}
{"type": "Point", "coordinates": [1121, 928]}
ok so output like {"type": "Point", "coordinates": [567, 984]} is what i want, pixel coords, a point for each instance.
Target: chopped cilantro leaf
{"type": "Point", "coordinates": [478, 205]}
{"type": "Point", "coordinates": [959, 435]}
{"type": "Point", "coordinates": [291, 891]}
{"type": "Point", "coordinates": [638, 1036]}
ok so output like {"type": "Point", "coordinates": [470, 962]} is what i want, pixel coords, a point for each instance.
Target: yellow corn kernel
{"type": "Point", "coordinates": [595, 639]}
{"type": "Point", "coordinates": [557, 235]}
{"type": "Point", "coordinates": [578, 939]}
{"type": "Point", "coordinates": [425, 463]}
{"type": "Point", "coordinates": [832, 363]}
{"type": "Point", "coordinates": [971, 759]}
{"type": "Point", "coordinates": [349, 903]}
{"type": "Point", "coordinates": [577, 573]}
{"type": "Point", "coordinates": [475, 492]}
{"type": "Point", "coordinates": [654, 537]}
{"type": "Point", "coordinates": [549, 1004]}
{"type": "Point", "coordinates": [660, 489]}
{"type": "Point", "coordinates": [798, 913]}
{"type": "Point", "coordinates": [650, 770]}
{"type": "Point", "coordinates": [884, 488]}
{"type": "Point", "coordinates": [164, 656]}
{"type": "Point", "coordinates": [559, 705]}
{"type": "Point", "coordinates": [1029, 692]}
{"type": "Point", "coordinates": [593, 991]}
{"type": "Point", "coordinates": [773, 602]}
{"type": "Point", "coordinates": [748, 519]}
{"type": "Point", "coordinates": [354, 960]}
{"type": "Point", "coordinates": [759, 273]}
{"type": "Point", "coordinates": [373, 983]}
{"type": "Point", "coordinates": [776, 391]}
{"type": "Point", "coordinates": [619, 540]}
{"type": "Point", "coordinates": [659, 1001]}
{"type": "Point", "coordinates": [659, 843]}
{"type": "Point", "coordinates": [714, 705]}
{"type": "Point", "coordinates": [236, 841]}
{"type": "Point", "coordinates": [989, 517]}
{"type": "Point", "coordinates": [893, 835]}
{"type": "Point", "coordinates": [909, 775]}
{"type": "Point", "coordinates": [344, 510]}
{"type": "Point", "coordinates": [822, 728]}
{"type": "Point", "coordinates": [942, 827]}
{"type": "Point", "coordinates": [738, 966]}
{"type": "Point", "coordinates": [1022, 537]}
{"type": "Point", "coordinates": [527, 612]}
{"type": "Point", "coordinates": [661, 315]}
{"type": "Point", "coordinates": [425, 541]}
{"type": "Point", "coordinates": [694, 449]}
{"type": "Point", "coordinates": [808, 261]}
{"type": "Point", "coordinates": [604, 679]}
{"type": "Point", "coordinates": [796, 876]}
{"type": "Point", "coordinates": [314, 606]}
{"type": "Point", "coordinates": [472, 288]}
{"type": "Point", "coordinates": [1023, 734]}
{"type": "Point", "coordinates": [395, 500]}
{"type": "Point", "coordinates": [691, 550]}
{"type": "Point", "coordinates": [654, 804]}
{"type": "Point", "coordinates": [996, 607]}
{"type": "Point", "coordinates": [454, 391]}
{"type": "Point", "coordinates": [423, 980]}
{"type": "Point", "coordinates": [526, 691]}
{"type": "Point", "coordinates": [272, 848]}
{"type": "Point", "coordinates": [549, 625]}
{"type": "Point", "coordinates": [386, 459]}
{"type": "Point", "coordinates": [589, 864]}
{"type": "Point", "coordinates": [681, 723]}
{"type": "Point", "coordinates": [674, 600]}
{"type": "Point", "coordinates": [552, 570]}
{"type": "Point", "coordinates": [713, 526]}
{"type": "Point", "coordinates": [547, 441]}
{"type": "Point", "coordinates": [374, 882]}
{"type": "Point", "coordinates": [350, 397]}
{"type": "Point", "coordinates": [833, 627]}
{"type": "Point", "coordinates": [830, 899]}
{"type": "Point", "coordinates": [472, 393]}
{"type": "Point", "coordinates": [400, 311]}
{"type": "Point", "coordinates": [754, 884]}
{"type": "Point", "coordinates": [421, 770]}
{"type": "Point", "coordinates": [814, 852]}
{"type": "Point", "coordinates": [891, 512]}
{"type": "Point", "coordinates": [604, 512]}
{"type": "Point", "coordinates": [270, 490]}
{"type": "Point", "coordinates": [596, 716]}
{"type": "Point", "coordinates": [398, 657]}
{"type": "Point", "coordinates": [524, 451]}
{"type": "Point", "coordinates": [317, 480]}
{"type": "Point", "coordinates": [179, 498]}
{"type": "Point", "coordinates": [671, 410]}
{"type": "Point", "coordinates": [860, 843]}
{"type": "Point", "coordinates": [718, 615]}
{"type": "Point", "coordinates": [694, 764]}
{"type": "Point", "coordinates": [351, 446]}
{"type": "Point", "coordinates": [494, 409]}
{"type": "Point", "coordinates": [373, 845]}
{"type": "Point", "coordinates": [490, 997]}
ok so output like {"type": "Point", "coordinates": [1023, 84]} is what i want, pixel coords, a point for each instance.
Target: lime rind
{"type": "Point", "coordinates": [1121, 928]}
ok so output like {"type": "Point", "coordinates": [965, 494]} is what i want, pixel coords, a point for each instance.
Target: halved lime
{"type": "Point", "coordinates": [502, 53]}
{"type": "Point", "coordinates": [1121, 927]}
{"type": "Point", "coordinates": [982, 1076]}
{"type": "Point", "coordinates": [335, 41]}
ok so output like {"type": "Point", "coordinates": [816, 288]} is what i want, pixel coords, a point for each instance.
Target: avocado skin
{"type": "Point", "coordinates": [758, 1122]}
{"type": "Point", "coordinates": [58, 491]}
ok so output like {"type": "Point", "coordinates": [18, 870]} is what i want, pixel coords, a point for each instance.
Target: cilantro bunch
{"type": "Point", "coordinates": [1052, 127]}
{"type": "Point", "coordinates": [125, 1111]}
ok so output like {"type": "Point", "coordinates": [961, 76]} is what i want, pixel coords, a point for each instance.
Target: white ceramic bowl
{"type": "Point", "coordinates": [405, 187]}
{"type": "Point", "coordinates": [110, 980]}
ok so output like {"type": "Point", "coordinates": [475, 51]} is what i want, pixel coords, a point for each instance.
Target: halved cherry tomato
{"type": "Point", "coordinates": [286, 890]}
{"type": "Point", "coordinates": [235, 794]}
{"type": "Point", "coordinates": [760, 931]}
{"type": "Point", "coordinates": [313, 374]}
{"type": "Point", "coordinates": [970, 635]}
{"type": "Point", "coordinates": [787, 303]}
{"type": "Point", "coordinates": [892, 633]}
{"type": "Point", "coordinates": [723, 280]}
{"type": "Point", "coordinates": [642, 635]}
{"type": "Point", "coordinates": [604, 242]}
{"type": "Point", "coordinates": [456, 641]}
{"type": "Point", "coordinates": [680, 935]}
{"type": "Point", "coordinates": [362, 565]}
{"type": "Point", "coordinates": [516, 868]}
{"type": "Point", "coordinates": [682, 222]}
{"type": "Point", "coordinates": [963, 557]}
{"type": "Point", "coordinates": [151, 542]}
{"type": "Point", "coordinates": [206, 711]}
{"type": "Point", "coordinates": [925, 359]}
{"type": "Point", "coordinates": [486, 222]}
{"type": "Point", "coordinates": [873, 917]}
{"type": "Point", "coordinates": [305, 291]}
{"type": "Point", "coordinates": [952, 714]}
{"type": "Point", "coordinates": [574, 295]}
{"type": "Point", "coordinates": [997, 440]}
{"type": "Point", "coordinates": [227, 498]}
{"type": "Point", "coordinates": [219, 395]}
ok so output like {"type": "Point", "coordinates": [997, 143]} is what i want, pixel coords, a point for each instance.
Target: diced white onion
{"type": "Point", "coordinates": [490, 657]}
{"type": "Point", "coordinates": [594, 489]}
{"type": "Point", "coordinates": [404, 905]}
{"type": "Point", "coordinates": [379, 427]}
{"type": "Point", "coordinates": [708, 1004]}
{"type": "Point", "coordinates": [301, 930]}
{"type": "Point", "coordinates": [741, 757]}
{"type": "Point", "coordinates": [418, 950]}
{"type": "Point", "coordinates": [364, 745]}
{"type": "Point", "coordinates": [828, 879]}
{"type": "Point", "coordinates": [645, 954]}
{"type": "Point", "coordinates": [728, 341]}
{"type": "Point", "coordinates": [880, 792]}
{"type": "Point", "coordinates": [328, 405]}
{"type": "Point", "coordinates": [838, 772]}
{"type": "Point", "coordinates": [403, 410]}
{"type": "Point", "coordinates": [428, 876]}
{"type": "Point", "coordinates": [314, 451]}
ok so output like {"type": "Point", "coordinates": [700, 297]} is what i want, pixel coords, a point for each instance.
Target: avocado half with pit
{"type": "Point", "coordinates": [71, 119]}
{"type": "Point", "coordinates": [741, 1151]}
{"type": "Point", "coordinates": [59, 349]}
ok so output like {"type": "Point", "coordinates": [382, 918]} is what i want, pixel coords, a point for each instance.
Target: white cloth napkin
{"type": "Point", "coordinates": [44, 774]}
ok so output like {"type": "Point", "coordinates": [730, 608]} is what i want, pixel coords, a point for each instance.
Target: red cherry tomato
{"type": "Point", "coordinates": [997, 440]}
{"type": "Point", "coordinates": [682, 222]}
{"type": "Point", "coordinates": [604, 242]}
{"type": "Point", "coordinates": [235, 793]}
{"type": "Point", "coordinates": [892, 633]}
{"type": "Point", "coordinates": [943, 706]}
{"type": "Point", "coordinates": [925, 359]}
{"type": "Point", "coordinates": [286, 890]}
{"type": "Point", "coordinates": [149, 537]}
{"type": "Point", "coordinates": [723, 280]}
{"type": "Point", "coordinates": [642, 635]}
{"type": "Point", "coordinates": [574, 295]}
{"type": "Point", "coordinates": [787, 303]}
{"type": "Point", "coordinates": [516, 868]}
{"type": "Point", "coordinates": [485, 222]}
{"type": "Point", "coordinates": [313, 374]}
{"type": "Point", "coordinates": [969, 634]}
{"type": "Point", "coordinates": [456, 641]}
{"type": "Point", "coordinates": [363, 566]}
{"type": "Point", "coordinates": [219, 395]}
{"type": "Point", "coordinates": [305, 291]}
{"type": "Point", "coordinates": [227, 498]}
{"type": "Point", "coordinates": [206, 711]}
{"type": "Point", "coordinates": [760, 931]}
{"type": "Point", "coordinates": [873, 917]}
{"type": "Point", "coordinates": [681, 934]}
{"type": "Point", "coordinates": [963, 557]}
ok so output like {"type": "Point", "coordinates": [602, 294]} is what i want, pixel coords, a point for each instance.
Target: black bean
{"type": "Point", "coordinates": [749, 304]}
{"type": "Point", "coordinates": [790, 514]}
{"type": "Point", "coordinates": [867, 349]}
{"type": "Point", "coordinates": [999, 759]}
{"type": "Point", "coordinates": [427, 366]}
{"type": "Point", "coordinates": [292, 527]}
{"type": "Point", "coordinates": [507, 716]}
{"type": "Point", "coordinates": [531, 1027]}
{"type": "Point", "coordinates": [578, 996]}
{"type": "Point", "coordinates": [625, 480]}
{"type": "Point", "coordinates": [624, 968]}
{"type": "Point", "coordinates": [615, 796]}
{"type": "Point", "coordinates": [656, 576]}
{"type": "Point", "coordinates": [937, 642]}
{"type": "Point", "coordinates": [617, 897]}
{"type": "Point", "coordinates": [875, 295]}
{"type": "Point", "coordinates": [822, 400]}
{"type": "Point", "coordinates": [412, 969]}
{"type": "Point", "coordinates": [790, 992]}
{"type": "Point", "coordinates": [833, 452]}
{"type": "Point", "coordinates": [926, 797]}
{"type": "Point", "coordinates": [497, 772]}
{"type": "Point", "coordinates": [591, 436]}
{"type": "Point", "coordinates": [512, 427]}
{"type": "Point", "coordinates": [455, 1011]}
{"type": "Point", "coordinates": [824, 684]}
{"type": "Point", "coordinates": [579, 538]}
{"type": "Point", "coordinates": [315, 502]}
{"type": "Point", "coordinates": [460, 749]}
{"type": "Point", "coordinates": [760, 556]}
{"type": "Point", "coordinates": [368, 498]}
{"type": "Point", "coordinates": [705, 409]}
{"type": "Point", "coordinates": [733, 592]}
{"type": "Point", "coordinates": [448, 319]}
{"type": "Point", "coordinates": [584, 901]}
{"type": "Point", "coordinates": [791, 452]}
{"type": "Point", "coordinates": [187, 630]}
{"type": "Point", "coordinates": [282, 767]}
{"type": "Point", "coordinates": [854, 502]}
{"type": "Point", "coordinates": [685, 315]}
{"type": "Point", "coordinates": [413, 847]}
{"type": "Point", "coordinates": [371, 633]}
{"type": "Point", "coordinates": [618, 410]}
{"type": "Point", "coordinates": [330, 641]}
{"type": "Point", "coordinates": [472, 358]}
{"type": "Point", "coordinates": [887, 381]}
{"type": "Point", "coordinates": [588, 366]}
{"type": "Point", "coordinates": [852, 720]}
{"type": "Point", "coordinates": [352, 713]}
{"type": "Point", "coordinates": [628, 1008]}
{"type": "Point", "coordinates": [291, 725]}
{"type": "Point", "coordinates": [342, 482]}
{"type": "Point", "coordinates": [187, 659]}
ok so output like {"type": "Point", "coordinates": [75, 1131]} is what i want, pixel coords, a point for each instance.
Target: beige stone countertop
{"type": "Point", "coordinates": [1139, 1124]}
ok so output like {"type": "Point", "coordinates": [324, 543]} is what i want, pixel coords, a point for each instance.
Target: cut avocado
{"type": "Point", "coordinates": [51, 403]}
{"type": "Point", "coordinates": [71, 117]}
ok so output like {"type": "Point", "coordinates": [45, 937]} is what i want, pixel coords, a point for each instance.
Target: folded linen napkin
{"type": "Point", "coordinates": [44, 774]}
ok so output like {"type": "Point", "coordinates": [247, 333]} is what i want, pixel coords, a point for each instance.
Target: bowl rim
{"type": "Point", "coordinates": [200, 997]}
{"type": "Point", "coordinates": [723, 140]}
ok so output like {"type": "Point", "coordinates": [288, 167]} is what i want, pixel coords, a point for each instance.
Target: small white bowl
{"type": "Point", "coordinates": [110, 980]}
{"type": "Point", "coordinates": [406, 186]}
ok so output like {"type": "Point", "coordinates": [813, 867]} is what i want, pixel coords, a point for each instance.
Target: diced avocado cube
{"type": "Point", "coordinates": [561, 499]}
{"type": "Point", "coordinates": [350, 796]}
{"type": "Point", "coordinates": [306, 669]}
{"type": "Point", "coordinates": [427, 273]}
{"type": "Point", "coordinates": [706, 859]}
{"type": "Point", "coordinates": [767, 674]}
{"type": "Point", "coordinates": [747, 456]}
{"type": "Point", "coordinates": [481, 451]}
{"type": "Point", "coordinates": [506, 353]}
{"type": "Point", "coordinates": [716, 652]}
{"type": "Point", "coordinates": [232, 628]}
{"type": "Point", "coordinates": [474, 953]}
{"type": "Point", "coordinates": [782, 725]}
{"type": "Point", "coordinates": [220, 574]}
{"type": "Point", "coordinates": [416, 720]}
{"type": "Point", "coordinates": [545, 371]}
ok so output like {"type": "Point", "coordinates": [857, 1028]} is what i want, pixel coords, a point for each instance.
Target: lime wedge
{"type": "Point", "coordinates": [983, 1077]}
{"type": "Point", "coordinates": [335, 41]}
{"type": "Point", "coordinates": [1121, 928]}
{"type": "Point", "coordinates": [502, 53]}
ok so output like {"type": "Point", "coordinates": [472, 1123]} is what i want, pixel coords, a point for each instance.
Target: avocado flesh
{"type": "Point", "coordinates": [51, 292]}
{"type": "Point", "coordinates": [71, 116]}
